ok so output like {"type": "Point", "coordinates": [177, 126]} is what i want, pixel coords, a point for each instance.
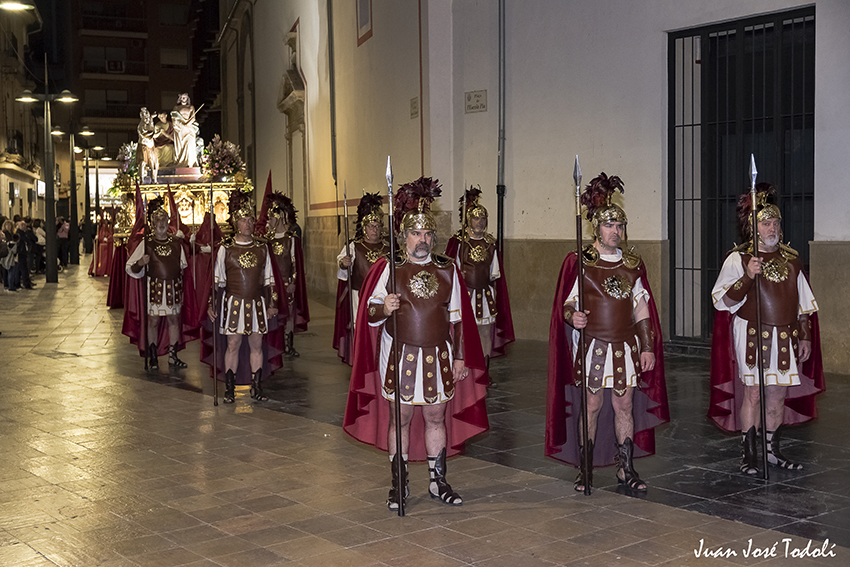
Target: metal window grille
{"type": "Point", "coordinates": [735, 89]}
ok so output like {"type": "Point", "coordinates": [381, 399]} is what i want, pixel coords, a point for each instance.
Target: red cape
{"type": "Point", "coordinates": [504, 327]}
{"type": "Point", "coordinates": [101, 260]}
{"type": "Point", "coordinates": [367, 412]}
{"type": "Point", "coordinates": [200, 267]}
{"type": "Point", "coordinates": [727, 391]}
{"type": "Point", "coordinates": [117, 278]}
{"type": "Point", "coordinates": [563, 399]}
{"type": "Point", "coordinates": [302, 310]}
{"type": "Point", "coordinates": [342, 323]}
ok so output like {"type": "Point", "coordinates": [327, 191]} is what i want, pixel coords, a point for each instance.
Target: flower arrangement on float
{"type": "Point", "coordinates": [221, 161]}
{"type": "Point", "coordinates": [128, 170]}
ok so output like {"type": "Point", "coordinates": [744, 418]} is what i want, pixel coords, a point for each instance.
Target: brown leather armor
{"type": "Point", "coordinates": [365, 254]}
{"type": "Point", "coordinates": [423, 316]}
{"type": "Point", "coordinates": [779, 307]}
{"type": "Point", "coordinates": [282, 254]}
{"type": "Point", "coordinates": [244, 266]}
{"type": "Point", "coordinates": [244, 269]}
{"type": "Point", "coordinates": [779, 299]}
{"type": "Point", "coordinates": [163, 271]}
{"type": "Point", "coordinates": [608, 296]}
{"type": "Point", "coordinates": [476, 257]}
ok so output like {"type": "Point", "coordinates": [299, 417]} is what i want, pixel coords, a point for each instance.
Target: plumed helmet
{"type": "Point", "coordinates": [597, 200]}
{"type": "Point", "coordinates": [413, 205]}
{"type": "Point", "coordinates": [157, 208]}
{"type": "Point", "coordinates": [765, 209]}
{"type": "Point", "coordinates": [241, 205]}
{"type": "Point", "coordinates": [472, 200]}
{"type": "Point", "coordinates": [369, 210]}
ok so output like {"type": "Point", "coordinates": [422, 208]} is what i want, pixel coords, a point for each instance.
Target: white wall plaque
{"type": "Point", "coordinates": [475, 101]}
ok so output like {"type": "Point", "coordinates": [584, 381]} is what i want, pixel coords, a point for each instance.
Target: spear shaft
{"type": "Point", "coordinates": [349, 270]}
{"type": "Point", "coordinates": [582, 348]}
{"type": "Point", "coordinates": [759, 340]}
{"type": "Point", "coordinates": [213, 292]}
{"type": "Point", "coordinates": [400, 472]}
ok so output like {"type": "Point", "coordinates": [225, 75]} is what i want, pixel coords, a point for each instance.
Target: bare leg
{"type": "Point", "coordinates": [624, 423]}
{"type": "Point", "coordinates": [594, 406]}
{"type": "Point", "coordinates": [231, 355]}
{"type": "Point", "coordinates": [750, 415]}
{"type": "Point", "coordinates": [774, 406]}
{"type": "Point", "coordinates": [153, 329]}
{"type": "Point", "coordinates": [173, 327]}
{"type": "Point", "coordinates": [406, 416]}
{"type": "Point", "coordinates": [435, 428]}
{"type": "Point", "coordinates": [255, 341]}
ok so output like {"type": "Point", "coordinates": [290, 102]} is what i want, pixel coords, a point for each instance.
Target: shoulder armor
{"type": "Point", "coordinates": [227, 241]}
{"type": "Point", "coordinates": [400, 258]}
{"type": "Point", "coordinates": [787, 252]}
{"type": "Point", "coordinates": [743, 248]}
{"type": "Point", "coordinates": [631, 259]}
{"type": "Point", "coordinates": [262, 239]}
{"type": "Point", "coordinates": [589, 255]}
{"type": "Point", "coordinates": [440, 260]}
{"type": "Point", "coordinates": [458, 235]}
{"type": "Point", "coordinates": [489, 238]}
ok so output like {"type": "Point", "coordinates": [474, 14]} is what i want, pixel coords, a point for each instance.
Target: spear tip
{"type": "Point", "coordinates": [577, 172]}
{"type": "Point", "coordinates": [753, 171]}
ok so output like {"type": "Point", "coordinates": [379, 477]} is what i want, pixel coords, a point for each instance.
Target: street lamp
{"type": "Point", "coordinates": [52, 270]}
{"type": "Point", "coordinates": [74, 221]}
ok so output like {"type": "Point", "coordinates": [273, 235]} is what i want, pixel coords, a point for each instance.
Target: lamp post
{"type": "Point", "coordinates": [52, 270]}
{"type": "Point", "coordinates": [74, 220]}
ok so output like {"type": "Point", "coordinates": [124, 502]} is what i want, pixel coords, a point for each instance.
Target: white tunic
{"type": "Point", "coordinates": [162, 308]}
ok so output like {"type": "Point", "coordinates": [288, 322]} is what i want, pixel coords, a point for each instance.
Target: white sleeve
{"type": "Point", "coordinates": [732, 270]}
{"type": "Point", "coordinates": [183, 263]}
{"type": "Point", "coordinates": [806, 297]}
{"type": "Point", "coordinates": [220, 271]}
{"type": "Point", "coordinates": [135, 257]}
{"type": "Point", "coordinates": [495, 269]}
{"type": "Point", "coordinates": [340, 273]}
{"type": "Point", "coordinates": [380, 291]}
{"type": "Point", "coordinates": [268, 273]}
{"type": "Point", "coordinates": [455, 303]}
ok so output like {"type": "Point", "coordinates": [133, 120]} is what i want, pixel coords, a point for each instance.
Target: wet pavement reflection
{"type": "Point", "coordinates": [104, 464]}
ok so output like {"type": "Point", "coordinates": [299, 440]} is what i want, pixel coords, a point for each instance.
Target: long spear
{"type": "Point", "coordinates": [585, 435]}
{"type": "Point", "coordinates": [755, 229]}
{"type": "Point", "coordinates": [213, 292]}
{"type": "Point", "coordinates": [393, 325]}
{"type": "Point", "coordinates": [348, 269]}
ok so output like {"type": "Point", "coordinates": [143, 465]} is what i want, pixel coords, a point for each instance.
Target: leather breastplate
{"type": "Point", "coordinates": [365, 254]}
{"type": "Point", "coordinates": [608, 295]}
{"type": "Point", "coordinates": [164, 258]}
{"type": "Point", "coordinates": [476, 257]}
{"type": "Point", "coordinates": [244, 266]}
{"type": "Point", "coordinates": [779, 298]}
{"type": "Point", "coordinates": [423, 313]}
{"type": "Point", "coordinates": [282, 252]}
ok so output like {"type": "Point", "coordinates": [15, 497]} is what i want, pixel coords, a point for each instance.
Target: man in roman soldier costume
{"type": "Point", "coordinates": [161, 258]}
{"type": "Point", "coordinates": [245, 298]}
{"type": "Point", "coordinates": [440, 369]}
{"type": "Point", "coordinates": [474, 252]}
{"type": "Point", "coordinates": [624, 355]}
{"type": "Point", "coordinates": [359, 254]}
{"type": "Point", "coordinates": [793, 368]}
{"type": "Point", "coordinates": [275, 226]}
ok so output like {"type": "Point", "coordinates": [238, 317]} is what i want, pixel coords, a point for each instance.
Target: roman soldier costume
{"type": "Point", "coordinates": [163, 282]}
{"type": "Point", "coordinates": [288, 265]}
{"type": "Point", "coordinates": [363, 255]}
{"type": "Point", "coordinates": [480, 264]}
{"type": "Point", "coordinates": [614, 286]}
{"type": "Point", "coordinates": [435, 325]}
{"type": "Point", "coordinates": [245, 284]}
{"type": "Point", "coordinates": [788, 316]}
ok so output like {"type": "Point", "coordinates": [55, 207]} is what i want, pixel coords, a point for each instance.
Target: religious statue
{"type": "Point", "coordinates": [185, 132]}
{"type": "Point", "coordinates": [148, 157]}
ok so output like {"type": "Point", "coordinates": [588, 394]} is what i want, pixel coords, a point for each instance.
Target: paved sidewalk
{"type": "Point", "coordinates": [105, 466]}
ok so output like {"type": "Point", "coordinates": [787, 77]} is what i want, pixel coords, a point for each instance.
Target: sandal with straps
{"type": "Point", "coordinates": [624, 459]}
{"type": "Point", "coordinates": [438, 477]}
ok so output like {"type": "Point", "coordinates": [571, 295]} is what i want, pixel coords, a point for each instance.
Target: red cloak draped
{"type": "Point", "coordinates": [342, 322]}
{"type": "Point", "coordinates": [563, 399]}
{"type": "Point", "coordinates": [503, 329]}
{"type": "Point", "coordinates": [367, 413]}
{"type": "Point", "coordinates": [102, 258]}
{"type": "Point", "coordinates": [727, 391]}
{"type": "Point", "coordinates": [117, 277]}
